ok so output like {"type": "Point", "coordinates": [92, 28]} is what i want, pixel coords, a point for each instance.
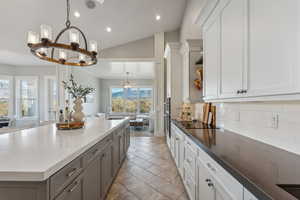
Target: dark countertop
{"type": "Point", "coordinates": [259, 167]}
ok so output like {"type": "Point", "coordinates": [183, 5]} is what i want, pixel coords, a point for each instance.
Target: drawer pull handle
{"type": "Point", "coordinates": [74, 187]}
{"type": "Point", "coordinates": [71, 173]}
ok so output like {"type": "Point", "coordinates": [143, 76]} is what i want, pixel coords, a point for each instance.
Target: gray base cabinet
{"type": "Point", "coordinates": [91, 182]}
{"type": "Point", "coordinates": [106, 170]}
{"type": "Point", "coordinates": [88, 177]}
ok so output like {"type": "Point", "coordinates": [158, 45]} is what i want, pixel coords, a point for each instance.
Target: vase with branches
{"type": "Point", "coordinates": [78, 93]}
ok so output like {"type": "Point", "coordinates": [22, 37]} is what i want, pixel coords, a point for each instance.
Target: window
{"type": "Point", "coordinates": [132, 100]}
{"type": "Point", "coordinates": [51, 97]}
{"type": "Point", "coordinates": [27, 93]}
{"type": "Point", "coordinates": [5, 96]}
{"type": "Point", "coordinates": [145, 95]}
{"type": "Point", "coordinates": [117, 96]}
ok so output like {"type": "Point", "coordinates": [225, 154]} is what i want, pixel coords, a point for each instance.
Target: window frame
{"type": "Point", "coordinates": [138, 105]}
{"type": "Point", "coordinates": [11, 94]}
{"type": "Point", "coordinates": [18, 80]}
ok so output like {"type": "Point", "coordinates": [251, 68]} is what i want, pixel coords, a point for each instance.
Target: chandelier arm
{"type": "Point", "coordinates": [63, 31]}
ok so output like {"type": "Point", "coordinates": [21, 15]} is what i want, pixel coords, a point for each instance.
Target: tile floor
{"type": "Point", "coordinates": [140, 133]}
{"type": "Point", "coordinates": [148, 173]}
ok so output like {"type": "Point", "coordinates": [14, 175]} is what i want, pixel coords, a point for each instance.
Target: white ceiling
{"type": "Point", "coordinates": [117, 70]}
{"type": "Point", "coordinates": [130, 20]}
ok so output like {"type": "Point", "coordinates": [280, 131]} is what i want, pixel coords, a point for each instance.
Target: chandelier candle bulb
{"type": "Point", "coordinates": [43, 51]}
{"type": "Point", "coordinates": [62, 56]}
{"type": "Point", "coordinates": [32, 38]}
{"type": "Point", "coordinates": [93, 46]}
{"type": "Point", "coordinates": [82, 58]}
{"type": "Point", "coordinates": [46, 33]}
{"type": "Point", "coordinates": [74, 38]}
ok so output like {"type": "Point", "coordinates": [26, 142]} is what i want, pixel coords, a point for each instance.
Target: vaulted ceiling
{"type": "Point", "coordinates": [129, 20]}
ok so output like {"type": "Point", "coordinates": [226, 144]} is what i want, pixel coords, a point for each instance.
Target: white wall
{"type": "Point", "coordinates": [87, 79]}
{"type": "Point", "coordinates": [172, 36]}
{"type": "Point", "coordinates": [189, 28]}
{"type": "Point", "coordinates": [39, 71]}
{"type": "Point", "coordinates": [143, 48]}
{"type": "Point", "coordinates": [254, 120]}
{"type": "Point", "coordinates": [107, 83]}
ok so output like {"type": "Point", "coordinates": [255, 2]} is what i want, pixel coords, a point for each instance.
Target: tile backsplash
{"type": "Point", "coordinates": [274, 123]}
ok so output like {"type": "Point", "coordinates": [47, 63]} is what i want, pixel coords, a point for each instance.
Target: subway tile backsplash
{"type": "Point", "coordinates": [274, 123]}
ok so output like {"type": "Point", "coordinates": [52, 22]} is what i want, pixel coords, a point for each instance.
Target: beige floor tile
{"type": "Point", "coordinates": [148, 173]}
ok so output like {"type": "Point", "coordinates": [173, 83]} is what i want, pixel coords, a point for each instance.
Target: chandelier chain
{"type": "Point", "coordinates": [68, 22]}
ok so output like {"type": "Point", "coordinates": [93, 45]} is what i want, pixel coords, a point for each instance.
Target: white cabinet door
{"type": "Point", "coordinates": [205, 190]}
{"type": "Point", "coordinates": [274, 40]}
{"type": "Point", "coordinates": [248, 195]}
{"type": "Point", "coordinates": [211, 46]}
{"type": "Point", "coordinates": [220, 192]}
{"type": "Point", "coordinates": [233, 47]}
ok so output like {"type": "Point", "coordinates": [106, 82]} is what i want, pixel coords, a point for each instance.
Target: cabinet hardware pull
{"type": "Point", "coordinates": [210, 184]}
{"type": "Point", "coordinates": [238, 92]}
{"type": "Point", "coordinates": [207, 180]}
{"type": "Point", "coordinates": [74, 187]}
{"type": "Point", "coordinates": [71, 173]}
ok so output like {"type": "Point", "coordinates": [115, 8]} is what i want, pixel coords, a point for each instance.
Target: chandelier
{"type": "Point", "coordinates": [127, 84]}
{"type": "Point", "coordinates": [67, 54]}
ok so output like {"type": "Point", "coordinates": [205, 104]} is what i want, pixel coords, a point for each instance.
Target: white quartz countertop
{"type": "Point", "coordinates": [36, 154]}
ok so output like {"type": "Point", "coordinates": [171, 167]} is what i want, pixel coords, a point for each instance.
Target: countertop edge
{"type": "Point", "coordinates": [41, 176]}
{"type": "Point", "coordinates": [242, 179]}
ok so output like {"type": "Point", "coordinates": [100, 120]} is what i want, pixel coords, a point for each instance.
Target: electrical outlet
{"type": "Point", "coordinates": [274, 121]}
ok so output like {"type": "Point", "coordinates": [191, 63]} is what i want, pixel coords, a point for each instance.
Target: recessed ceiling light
{"type": "Point", "coordinates": [108, 29]}
{"type": "Point", "coordinates": [101, 1]}
{"type": "Point", "coordinates": [77, 14]}
{"type": "Point", "coordinates": [157, 17]}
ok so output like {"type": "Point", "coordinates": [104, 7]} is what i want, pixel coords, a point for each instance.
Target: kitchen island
{"type": "Point", "coordinates": [44, 163]}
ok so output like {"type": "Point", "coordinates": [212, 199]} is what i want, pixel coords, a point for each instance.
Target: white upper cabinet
{"type": "Point", "coordinates": [257, 54]}
{"type": "Point", "coordinates": [211, 54]}
{"type": "Point", "coordinates": [233, 48]}
{"type": "Point", "coordinates": [274, 37]}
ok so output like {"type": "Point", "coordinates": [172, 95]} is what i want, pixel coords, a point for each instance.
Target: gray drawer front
{"type": "Point", "coordinates": [62, 178]}
{"type": "Point", "coordinates": [74, 191]}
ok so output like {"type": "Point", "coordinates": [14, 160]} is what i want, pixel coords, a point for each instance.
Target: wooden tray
{"type": "Point", "coordinates": [70, 125]}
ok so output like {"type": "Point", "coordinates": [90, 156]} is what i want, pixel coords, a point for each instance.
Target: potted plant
{"type": "Point", "coordinates": [78, 93]}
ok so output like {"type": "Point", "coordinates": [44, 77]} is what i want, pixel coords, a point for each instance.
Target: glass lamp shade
{"type": "Point", "coordinates": [62, 55]}
{"type": "Point", "coordinates": [82, 58]}
{"type": "Point", "coordinates": [74, 37]}
{"type": "Point", "coordinates": [46, 32]}
{"type": "Point", "coordinates": [43, 51]}
{"type": "Point", "coordinates": [93, 46]}
{"type": "Point", "coordinates": [32, 37]}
